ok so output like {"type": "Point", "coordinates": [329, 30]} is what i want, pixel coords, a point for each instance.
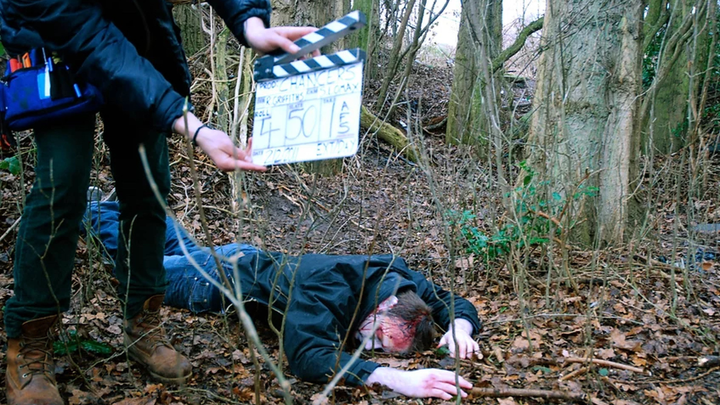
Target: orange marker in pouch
{"type": "Point", "coordinates": [26, 62]}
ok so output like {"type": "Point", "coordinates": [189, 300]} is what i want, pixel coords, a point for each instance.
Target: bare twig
{"type": "Point", "coordinates": [682, 380]}
{"type": "Point", "coordinates": [517, 392]}
{"type": "Point", "coordinates": [574, 374]}
{"type": "Point", "coordinates": [13, 226]}
{"type": "Point", "coordinates": [604, 363]}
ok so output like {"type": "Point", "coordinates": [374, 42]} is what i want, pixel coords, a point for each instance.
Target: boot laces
{"type": "Point", "coordinates": [35, 352]}
{"type": "Point", "coordinates": [152, 329]}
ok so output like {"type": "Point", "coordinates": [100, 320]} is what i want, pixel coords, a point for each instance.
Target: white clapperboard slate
{"type": "Point", "coordinates": [309, 109]}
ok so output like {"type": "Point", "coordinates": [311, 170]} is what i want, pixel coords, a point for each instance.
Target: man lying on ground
{"type": "Point", "coordinates": [331, 296]}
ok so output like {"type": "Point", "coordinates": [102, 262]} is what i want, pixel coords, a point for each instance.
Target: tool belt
{"type": "Point", "coordinates": [38, 88]}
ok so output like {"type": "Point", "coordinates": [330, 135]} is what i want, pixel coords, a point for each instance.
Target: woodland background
{"type": "Point", "coordinates": [560, 172]}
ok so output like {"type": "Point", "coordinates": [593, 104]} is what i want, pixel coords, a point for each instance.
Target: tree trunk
{"type": "Point", "coordinates": [584, 132]}
{"type": "Point", "coordinates": [665, 118]}
{"type": "Point", "coordinates": [480, 26]}
{"type": "Point", "coordinates": [395, 52]}
{"type": "Point", "coordinates": [222, 85]}
{"type": "Point", "coordinates": [188, 18]}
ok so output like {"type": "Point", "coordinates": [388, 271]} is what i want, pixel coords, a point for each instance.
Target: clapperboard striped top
{"type": "Point", "coordinates": [341, 58]}
{"type": "Point", "coordinates": [282, 65]}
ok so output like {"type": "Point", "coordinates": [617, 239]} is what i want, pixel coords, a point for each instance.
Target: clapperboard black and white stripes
{"type": "Point", "coordinates": [264, 67]}
{"type": "Point", "coordinates": [347, 57]}
{"type": "Point", "coordinates": [309, 109]}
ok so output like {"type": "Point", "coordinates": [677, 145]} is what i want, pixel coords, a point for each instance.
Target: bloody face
{"type": "Point", "coordinates": [394, 335]}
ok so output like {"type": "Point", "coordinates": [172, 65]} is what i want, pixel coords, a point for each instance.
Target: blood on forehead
{"type": "Point", "coordinates": [397, 335]}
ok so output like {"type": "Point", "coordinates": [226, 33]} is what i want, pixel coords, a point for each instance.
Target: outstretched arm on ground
{"type": "Point", "coordinates": [425, 383]}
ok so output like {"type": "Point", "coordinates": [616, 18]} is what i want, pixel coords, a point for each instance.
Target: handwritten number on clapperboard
{"type": "Point", "coordinates": [332, 112]}
{"type": "Point", "coordinates": [267, 129]}
{"type": "Point", "coordinates": [294, 114]}
{"type": "Point", "coordinates": [314, 121]}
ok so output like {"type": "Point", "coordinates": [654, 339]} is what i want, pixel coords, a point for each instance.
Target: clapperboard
{"type": "Point", "coordinates": [309, 109]}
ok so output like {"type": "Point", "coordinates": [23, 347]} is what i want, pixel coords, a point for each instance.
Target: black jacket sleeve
{"type": "Point", "coordinates": [235, 13]}
{"type": "Point", "coordinates": [439, 300]}
{"type": "Point", "coordinates": [316, 324]}
{"type": "Point", "coordinates": [101, 55]}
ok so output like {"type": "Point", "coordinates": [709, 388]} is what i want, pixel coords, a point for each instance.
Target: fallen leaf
{"type": "Point", "coordinates": [606, 354]}
{"type": "Point", "coordinates": [521, 343]}
{"type": "Point", "coordinates": [620, 341]}
{"type": "Point", "coordinates": [638, 361]}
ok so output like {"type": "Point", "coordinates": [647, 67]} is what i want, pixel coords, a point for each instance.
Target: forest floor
{"type": "Point", "coordinates": [643, 321]}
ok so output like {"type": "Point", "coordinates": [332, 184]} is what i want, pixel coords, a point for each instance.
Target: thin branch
{"type": "Point", "coordinates": [517, 392]}
{"type": "Point", "coordinates": [510, 51]}
{"type": "Point", "coordinates": [605, 363]}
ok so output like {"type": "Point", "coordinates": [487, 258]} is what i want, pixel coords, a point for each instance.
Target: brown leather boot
{"type": "Point", "coordinates": [146, 343]}
{"type": "Point", "coordinates": [30, 378]}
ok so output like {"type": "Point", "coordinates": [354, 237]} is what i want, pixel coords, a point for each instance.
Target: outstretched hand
{"type": "Point", "coordinates": [425, 383]}
{"type": "Point", "coordinates": [217, 145]}
{"type": "Point", "coordinates": [226, 156]}
{"type": "Point", "coordinates": [466, 345]}
{"type": "Point", "coordinates": [266, 40]}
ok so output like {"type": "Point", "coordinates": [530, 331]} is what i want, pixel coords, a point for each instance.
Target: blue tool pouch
{"type": "Point", "coordinates": [38, 94]}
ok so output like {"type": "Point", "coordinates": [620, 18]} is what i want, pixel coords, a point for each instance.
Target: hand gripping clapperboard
{"type": "Point", "coordinates": [309, 109]}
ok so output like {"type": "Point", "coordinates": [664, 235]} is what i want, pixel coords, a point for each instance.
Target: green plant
{"type": "Point", "coordinates": [11, 164]}
{"type": "Point", "coordinates": [538, 219]}
{"type": "Point", "coordinates": [73, 343]}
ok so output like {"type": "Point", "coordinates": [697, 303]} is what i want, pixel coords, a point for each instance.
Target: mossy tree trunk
{"type": "Point", "coordinates": [679, 35]}
{"type": "Point", "coordinates": [367, 37]}
{"type": "Point", "coordinates": [480, 37]}
{"type": "Point", "coordinates": [584, 132]}
{"type": "Point", "coordinates": [188, 18]}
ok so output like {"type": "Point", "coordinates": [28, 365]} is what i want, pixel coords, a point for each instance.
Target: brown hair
{"type": "Point", "coordinates": [416, 316]}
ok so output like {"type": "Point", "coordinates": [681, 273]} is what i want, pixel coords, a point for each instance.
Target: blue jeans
{"type": "Point", "coordinates": [187, 288]}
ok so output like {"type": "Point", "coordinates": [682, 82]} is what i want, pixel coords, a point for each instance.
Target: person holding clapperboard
{"type": "Point", "coordinates": [128, 54]}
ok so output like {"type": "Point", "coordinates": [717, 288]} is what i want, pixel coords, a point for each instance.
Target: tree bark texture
{"type": "Point", "coordinates": [586, 119]}
{"type": "Point", "coordinates": [479, 41]}
{"type": "Point", "coordinates": [188, 18]}
{"type": "Point", "coordinates": [666, 116]}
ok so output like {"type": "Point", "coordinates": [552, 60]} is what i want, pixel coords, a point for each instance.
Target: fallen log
{"type": "Point", "coordinates": [388, 133]}
{"type": "Point", "coordinates": [517, 392]}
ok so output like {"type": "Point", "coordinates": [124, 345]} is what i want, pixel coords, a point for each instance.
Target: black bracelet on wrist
{"type": "Point", "coordinates": [197, 131]}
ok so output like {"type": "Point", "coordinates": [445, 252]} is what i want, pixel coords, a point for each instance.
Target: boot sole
{"type": "Point", "coordinates": [158, 377]}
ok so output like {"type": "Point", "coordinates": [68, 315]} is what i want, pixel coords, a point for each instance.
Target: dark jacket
{"type": "Point", "coordinates": [129, 49]}
{"type": "Point", "coordinates": [327, 290]}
